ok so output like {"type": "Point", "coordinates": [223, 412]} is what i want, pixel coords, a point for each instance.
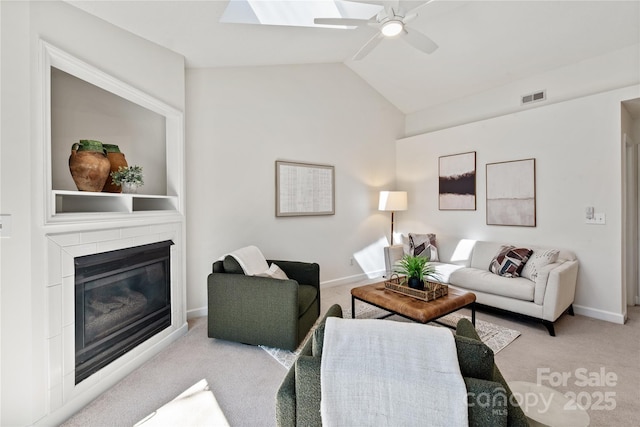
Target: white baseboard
{"type": "Point", "coordinates": [352, 279]}
{"type": "Point", "coordinates": [599, 314]}
{"type": "Point", "coordinates": [197, 312]}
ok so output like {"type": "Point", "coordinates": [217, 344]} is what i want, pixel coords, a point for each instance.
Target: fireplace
{"type": "Point", "coordinates": [122, 298]}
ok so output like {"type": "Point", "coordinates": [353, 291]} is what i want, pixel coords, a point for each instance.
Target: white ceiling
{"type": "Point", "coordinates": [483, 44]}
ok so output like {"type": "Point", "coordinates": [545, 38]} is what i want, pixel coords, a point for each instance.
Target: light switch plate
{"type": "Point", "coordinates": [598, 218]}
{"type": "Point", "coordinates": [5, 225]}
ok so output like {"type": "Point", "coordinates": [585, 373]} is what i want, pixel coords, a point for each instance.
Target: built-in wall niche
{"type": "Point", "coordinates": [83, 102]}
{"type": "Point", "coordinates": [80, 110]}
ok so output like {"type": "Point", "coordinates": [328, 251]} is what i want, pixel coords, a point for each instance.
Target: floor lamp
{"type": "Point", "coordinates": [392, 201]}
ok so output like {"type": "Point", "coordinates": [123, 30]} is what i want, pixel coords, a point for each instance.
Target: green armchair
{"type": "Point", "coordinates": [262, 310]}
{"type": "Point", "coordinates": [489, 397]}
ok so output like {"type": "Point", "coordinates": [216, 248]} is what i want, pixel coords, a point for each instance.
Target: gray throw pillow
{"type": "Point", "coordinates": [231, 265]}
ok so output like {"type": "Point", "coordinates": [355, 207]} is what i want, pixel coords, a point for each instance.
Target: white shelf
{"type": "Point", "coordinates": [167, 168]}
{"type": "Point", "coordinates": [93, 202]}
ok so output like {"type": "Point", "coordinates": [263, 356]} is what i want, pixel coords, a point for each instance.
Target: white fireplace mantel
{"type": "Point", "coordinates": [64, 396]}
{"type": "Point", "coordinates": [78, 223]}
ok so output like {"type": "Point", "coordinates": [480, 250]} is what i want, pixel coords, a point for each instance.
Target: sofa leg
{"type": "Point", "coordinates": [550, 328]}
{"type": "Point", "coordinates": [570, 310]}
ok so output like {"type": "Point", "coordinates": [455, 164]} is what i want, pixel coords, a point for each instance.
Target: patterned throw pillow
{"type": "Point", "coordinates": [539, 259]}
{"type": "Point", "coordinates": [510, 261]}
{"type": "Point", "coordinates": [423, 245]}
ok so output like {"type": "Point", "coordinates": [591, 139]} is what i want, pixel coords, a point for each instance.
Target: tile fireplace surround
{"type": "Point", "coordinates": [64, 396]}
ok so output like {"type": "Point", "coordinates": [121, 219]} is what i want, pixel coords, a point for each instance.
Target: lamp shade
{"type": "Point", "coordinates": [393, 201]}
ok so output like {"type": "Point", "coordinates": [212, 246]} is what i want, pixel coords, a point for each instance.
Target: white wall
{"type": "Point", "coordinates": [240, 121]}
{"type": "Point", "coordinates": [22, 301]}
{"type": "Point", "coordinates": [15, 253]}
{"type": "Point", "coordinates": [577, 149]}
{"type": "Point", "coordinates": [614, 70]}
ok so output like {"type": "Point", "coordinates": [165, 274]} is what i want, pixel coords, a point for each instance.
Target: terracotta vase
{"type": "Point", "coordinates": [116, 159]}
{"type": "Point", "coordinates": [89, 165]}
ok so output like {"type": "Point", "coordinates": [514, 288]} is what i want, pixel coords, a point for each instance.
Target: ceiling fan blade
{"type": "Point", "coordinates": [409, 17]}
{"type": "Point", "coordinates": [391, 9]}
{"type": "Point", "coordinates": [414, 8]}
{"type": "Point", "coordinates": [341, 21]}
{"type": "Point", "coordinates": [368, 46]}
{"type": "Point", "coordinates": [419, 41]}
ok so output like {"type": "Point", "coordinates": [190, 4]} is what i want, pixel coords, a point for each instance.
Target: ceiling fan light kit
{"type": "Point", "coordinates": [391, 21]}
{"type": "Point", "coordinates": [392, 28]}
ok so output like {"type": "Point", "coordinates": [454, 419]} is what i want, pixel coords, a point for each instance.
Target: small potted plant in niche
{"type": "Point", "coordinates": [416, 268]}
{"type": "Point", "coordinates": [129, 178]}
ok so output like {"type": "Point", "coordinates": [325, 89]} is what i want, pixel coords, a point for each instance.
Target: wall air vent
{"type": "Point", "coordinates": [534, 97]}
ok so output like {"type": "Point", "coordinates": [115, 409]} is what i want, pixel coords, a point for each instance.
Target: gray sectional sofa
{"type": "Point", "coordinates": [545, 294]}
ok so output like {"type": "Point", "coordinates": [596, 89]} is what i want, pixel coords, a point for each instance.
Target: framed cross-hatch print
{"type": "Point", "coordinates": [457, 182]}
{"type": "Point", "coordinates": [511, 193]}
{"type": "Point", "coordinates": [304, 189]}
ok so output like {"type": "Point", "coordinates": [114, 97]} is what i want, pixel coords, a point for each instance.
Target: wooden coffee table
{"type": "Point", "coordinates": [413, 308]}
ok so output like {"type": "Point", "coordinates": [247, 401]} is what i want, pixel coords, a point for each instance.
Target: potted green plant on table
{"type": "Point", "coordinates": [129, 178]}
{"type": "Point", "coordinates": [417, 269]}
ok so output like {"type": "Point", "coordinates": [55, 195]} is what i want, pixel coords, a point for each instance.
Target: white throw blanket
{"type": "Point", "coordinates": [384, 373]}
{"type": "Point", "coordinates": [251, 260]}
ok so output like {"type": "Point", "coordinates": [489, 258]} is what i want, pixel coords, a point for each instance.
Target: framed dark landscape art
{"type": "Point", "coordinates": [511, 193]}
{"type": "Point", "coordinates": [457, 182]}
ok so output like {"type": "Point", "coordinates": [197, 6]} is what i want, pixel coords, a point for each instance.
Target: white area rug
{"type": "Point", "coordinates": [494, 336]}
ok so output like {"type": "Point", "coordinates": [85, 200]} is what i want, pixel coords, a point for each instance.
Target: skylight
{"type": "Point", "coordinates": [297, 13]}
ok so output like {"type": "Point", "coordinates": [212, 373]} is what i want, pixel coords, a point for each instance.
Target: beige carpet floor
{"type": "Point", "coordinates": [582, 348]}
{"type": "Point", "coordinates": [244, 379]}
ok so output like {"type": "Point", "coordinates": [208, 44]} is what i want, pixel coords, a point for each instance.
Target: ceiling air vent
{"type": "Point", "coordinates": [534, 97]}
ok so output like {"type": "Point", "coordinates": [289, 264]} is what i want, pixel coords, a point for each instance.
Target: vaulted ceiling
{"type": "Point", "coordinates": [482, 44]}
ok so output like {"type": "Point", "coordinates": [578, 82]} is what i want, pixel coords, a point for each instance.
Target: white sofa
{"type": "Point", "coordinates": [464, 264]}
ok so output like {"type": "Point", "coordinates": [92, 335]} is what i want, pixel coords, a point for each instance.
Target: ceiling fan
{"type": "Point", "coordinates": [391, 22]}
